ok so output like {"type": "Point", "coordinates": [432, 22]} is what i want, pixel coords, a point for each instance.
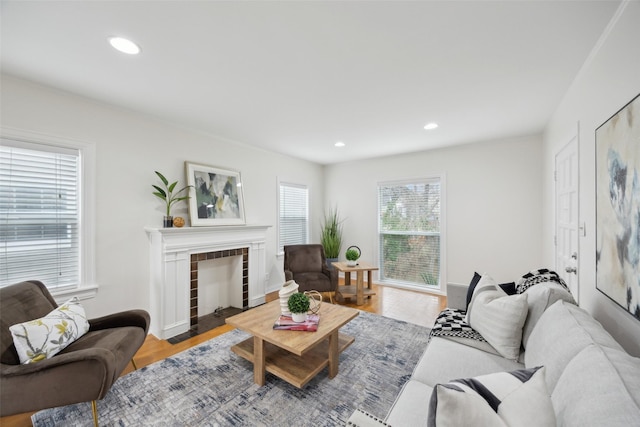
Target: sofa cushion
{"type": "Point", "coordinates": [563, 331]}
{"type": "Point", "coordinates": [517, 398]}
{"type": "Point", "coordinates": [410, 407]}
{"type": "Point", "coordinates": [539, 298]}
{"type": "Point", "coordinates": [599, 387]}
{"type": "Point", "coordinates": [45, 337]}
{"type": "Point", "coordinates": [498, 317]}
{"type": "Point", "coordinates": [444, 360]}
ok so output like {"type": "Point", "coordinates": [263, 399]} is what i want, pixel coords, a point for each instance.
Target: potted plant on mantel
{"type": "Point", "coordinates": [331, 236]}
{"type": "Point", "coordinates": [299, 306]}
{"type": "Point", "coordinates": [168, 196]}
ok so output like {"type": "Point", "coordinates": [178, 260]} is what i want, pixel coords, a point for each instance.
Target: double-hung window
{"type": "Point", "coordinates": [409, 231]}
{"type": "Point", "coordinates": [293, 214]}
{"type": "Point", "coordinates": [43, 222]}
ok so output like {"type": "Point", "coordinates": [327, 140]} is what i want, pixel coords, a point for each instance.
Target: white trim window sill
{"type": "Point", "coordinates": [83, 293]}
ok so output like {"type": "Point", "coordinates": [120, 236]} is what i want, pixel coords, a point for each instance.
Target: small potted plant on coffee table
{"type": "Point", "coordinates": [299, 306]}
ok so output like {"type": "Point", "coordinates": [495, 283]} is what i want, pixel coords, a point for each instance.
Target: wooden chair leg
{"type": "Point", "coordinates": [94, 410]}
{"type": "Point", "coordinates": [133, 362]}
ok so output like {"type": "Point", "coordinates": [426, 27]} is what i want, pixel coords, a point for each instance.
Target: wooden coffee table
{"type": "Point", "coordinates": [294, 356]}
{"type": "Point", "coordinates": [359, 291]}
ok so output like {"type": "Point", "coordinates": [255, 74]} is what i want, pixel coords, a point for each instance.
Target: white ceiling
{"type": "Point", "coordinates": [295, 77]}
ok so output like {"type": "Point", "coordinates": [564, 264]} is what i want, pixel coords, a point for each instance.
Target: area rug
{"type": "Point", "coordinates": [208, 385]}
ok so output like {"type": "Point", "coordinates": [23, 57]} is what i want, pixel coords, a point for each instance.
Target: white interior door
{"type": "Point", "coordinates": [567, 215]}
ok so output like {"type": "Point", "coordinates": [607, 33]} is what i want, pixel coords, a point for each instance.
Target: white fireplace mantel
{"type": "Point", "coordinates": [169, 262]}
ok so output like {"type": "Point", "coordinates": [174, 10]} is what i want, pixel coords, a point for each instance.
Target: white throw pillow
{"type": "Point", "coordinates": [515, 399]}
{"type": "Point", "coordinates": [498, 317]}
{"type": "Point", "coordinates": [43, 338]}
{"type": "Point", "coordinates": [539, 298]}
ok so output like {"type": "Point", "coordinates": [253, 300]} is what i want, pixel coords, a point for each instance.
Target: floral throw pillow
{"type": "Point", "coordinates": [43, 338]}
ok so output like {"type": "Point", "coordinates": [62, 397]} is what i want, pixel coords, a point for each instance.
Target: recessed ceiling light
{"type": "Point", "coordinates": [340, 144]}
{"type": "Point", "coordinates": [431, 126]}
{"type": "Point", "coordinates": [124, 45]}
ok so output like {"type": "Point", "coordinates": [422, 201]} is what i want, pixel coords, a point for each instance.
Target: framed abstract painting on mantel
{"type": "Point", "coordinates": [618, 207]}
{"type": "Point", "coordinates": [215, 196]}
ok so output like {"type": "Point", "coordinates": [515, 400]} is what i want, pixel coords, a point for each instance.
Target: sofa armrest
{"type": "Point", "coordinates": [360, 418]}
{"type": "Point", "coordinates": [102, 356]}
{"type": "Point", "coordinates": [457, 296]}
{"type": "Point", "coordinates": [288, 275]}
{"type": "Point", "coordinates": [139, 318]}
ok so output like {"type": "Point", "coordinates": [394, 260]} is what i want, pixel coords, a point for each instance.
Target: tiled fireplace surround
{"type": "Point", "coordinates": [174, 257]}
{"type": "Point", "coordinates": [195, 258]}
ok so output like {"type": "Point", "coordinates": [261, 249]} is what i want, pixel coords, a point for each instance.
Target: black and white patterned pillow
{"type": "Point", "coordinates": [538, 276]}
{"type": "Point", "coordinates": [517, 398]}
{"type": "Point", "coordinates": [451, 323]}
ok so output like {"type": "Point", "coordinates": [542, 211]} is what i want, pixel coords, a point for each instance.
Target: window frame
{"type": "Point", "coordinates": [87, 287]}
{"type": "Point", "coordinates": [442, 288]}
{"type": "Point", "coordinates": [291, 183]}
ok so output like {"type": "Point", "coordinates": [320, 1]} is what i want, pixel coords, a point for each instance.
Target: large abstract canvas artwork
{"type": "Point", "coordinates": [618, 207]}
{"type": "Point", "coordinates": [215, 196]}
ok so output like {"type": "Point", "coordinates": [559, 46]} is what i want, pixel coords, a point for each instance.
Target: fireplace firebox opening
{"type": "Point", "coordinates": [207, 322]}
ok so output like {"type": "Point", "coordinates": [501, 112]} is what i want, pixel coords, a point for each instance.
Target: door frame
{"type": "Point", "coordinates": [573, 139]}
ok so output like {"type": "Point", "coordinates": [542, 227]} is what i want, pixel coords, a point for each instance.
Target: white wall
{"type": "Point", "coordinates": [129, 147]}
{"type": "Point", "coordinates": [606, 84]}
{"type": "Point", "coordinates": [493, 195]}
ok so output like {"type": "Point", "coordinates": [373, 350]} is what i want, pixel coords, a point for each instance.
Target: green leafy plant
{"type": "Point", "coordinates": [429, 278]}
{"type": "Point", "coordinates": [298, 303]}
{"type": "Point", "coordinates": [352, 254]}
{"type": "Point", "coordinates": [331, 238]}
{"type": "Point", "coordinates": [167, 193]}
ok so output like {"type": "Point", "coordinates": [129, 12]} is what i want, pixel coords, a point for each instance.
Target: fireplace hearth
{"type": "Point", "coordinates": [206, 323]}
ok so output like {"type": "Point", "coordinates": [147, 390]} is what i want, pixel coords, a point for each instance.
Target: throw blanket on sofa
{"type": "Point", "coordinates": [538, 276]}
{"type": "Point", "coordinates": [451, 323]}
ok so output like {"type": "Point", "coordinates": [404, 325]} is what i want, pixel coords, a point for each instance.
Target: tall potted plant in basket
{"type": "Point", "coordinates": [168, 196]}
{"type": "Point", "coordinates": [331, 236]}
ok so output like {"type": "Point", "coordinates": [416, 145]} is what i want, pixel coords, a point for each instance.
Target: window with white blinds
{"type": "Point", "coordinates": [39, 214]}
{"type": "Point", "coordinates": [409, 218]}
{"type": "Point", "coordinates": [293, 216]}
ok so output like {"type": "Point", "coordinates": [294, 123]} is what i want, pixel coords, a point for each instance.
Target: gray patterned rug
{"type": "Point", "coordinates": [208, 385]}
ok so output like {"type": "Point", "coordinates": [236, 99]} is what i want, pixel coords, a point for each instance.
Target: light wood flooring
{"type": "Point", "coordinates": [413, 307]}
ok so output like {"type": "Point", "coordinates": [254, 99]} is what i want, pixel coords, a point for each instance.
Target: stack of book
{"type": "Point", "coordinates": [286, 323]}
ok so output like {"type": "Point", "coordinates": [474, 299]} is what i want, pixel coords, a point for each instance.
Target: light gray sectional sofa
{"type": "Point", "coordinates": [590, 380]}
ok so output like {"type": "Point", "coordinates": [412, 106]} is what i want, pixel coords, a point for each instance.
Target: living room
{"type": "Point", "coordinates": [500, 205]}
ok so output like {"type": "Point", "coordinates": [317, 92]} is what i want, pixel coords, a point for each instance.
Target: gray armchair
{"type": "Point", "coordinates": [307, 265]}
{"type": "Point", "coordinates": [82, 372]}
